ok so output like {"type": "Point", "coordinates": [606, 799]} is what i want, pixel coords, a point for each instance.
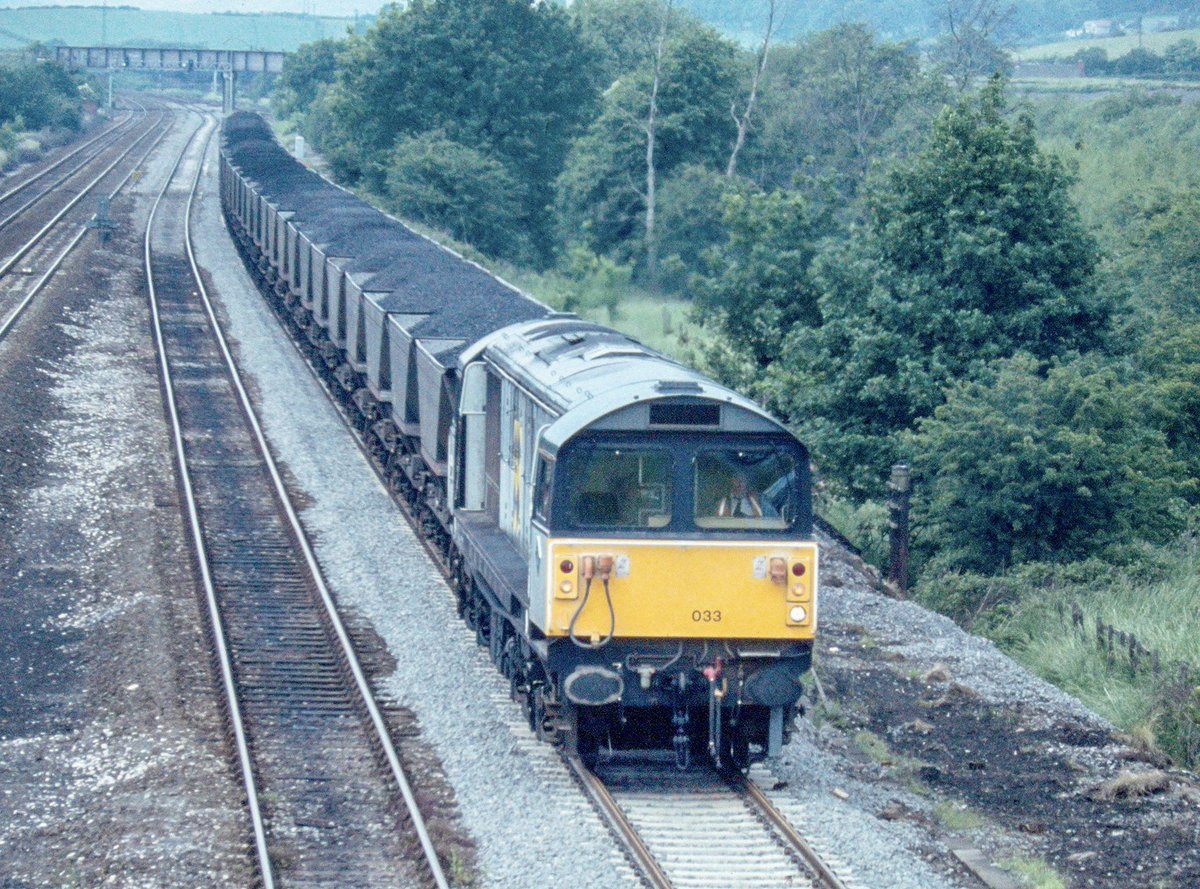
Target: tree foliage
{"type": "Point", "coordinates": [832, 105]}
{"type": "Point", "coordinates": [973, 251]}
{"type": "Point", "coordinates": [510, 80]}
{"type": "Point", "coordinates": [1023, 466]}
{"type": "Point", "coordinates": [37, 96]}
{"type": "Point", "coordinates": [306, 72]}
{"type": "Point", "coordinates": [759, 287]}
{"type": "Point", "coordinates": [971, 32]}
{"type": "Point", "coordinates": [435, 180]}
{"type": "Point", "coordinates": [601, 192]}
{"type": "Point", "coordinates": [692, 220]}
{"type": "Point", "coordinates": [622, 33]}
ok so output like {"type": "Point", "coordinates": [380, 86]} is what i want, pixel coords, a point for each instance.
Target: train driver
{"type": "Point", "coordinates": [740, 502]}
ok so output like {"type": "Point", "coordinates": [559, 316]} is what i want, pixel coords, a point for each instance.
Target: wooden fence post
{"type": "Point", "coordinates": [900, 486]}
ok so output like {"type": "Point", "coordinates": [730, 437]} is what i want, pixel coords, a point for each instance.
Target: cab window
{"type": "Point", "coordinates": [543, 488]}
{"type": "Point", "coordinates": [745, 489]}
{"type": "Point", "coordinates": [616, 487]}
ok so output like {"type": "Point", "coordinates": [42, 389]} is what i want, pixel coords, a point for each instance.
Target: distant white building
{"type": "Point", "coordinates": [1099, 28]}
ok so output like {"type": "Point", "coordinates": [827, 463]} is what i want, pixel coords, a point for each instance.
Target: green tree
{"type": "Point", "coordinates": [759, 286]}
{"type": "Point", "coordinates": [1182, 59]}
{"type": "Point", "coordinates": [1169, 364]}
{"type": "Point", "coordinates": [1029, 466]}
{"type": "Point", "coordinates": [435, 180]}
{"type": "Point", "coordinates": [1139, 62]}
{"type": "Point", "coordinates": [969, 44]}
{"type": "Point", "coordinates": [623, 32]}
{"type": "Point", "coordinates": [692, 220]}
{"type": "Point", "coordinates": [973, 251]}
{"type": "Point", "coordinates": [1163, 256]}
{"type": "Point", "coordinates": [603, 193]}
{"type": "Point", "coordinates": [1095, 61]}
{"type": "Point", "coordinates": [833, 105]}
{"type": "Point", "coordinates": [509, 79]}
{"type": "Point", "coordinates": [39, 95]}
{"type": "Point", "coordinates": [306, 72]}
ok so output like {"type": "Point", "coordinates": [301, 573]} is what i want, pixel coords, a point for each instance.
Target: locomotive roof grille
{"type": "Point", "coordinates": [692, 415]}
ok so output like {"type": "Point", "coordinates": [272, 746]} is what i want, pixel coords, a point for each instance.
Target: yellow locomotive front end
{"type": "Point", "coordinates": [678, 587]}
{"type": "Point", "coordinates": [681, 589]}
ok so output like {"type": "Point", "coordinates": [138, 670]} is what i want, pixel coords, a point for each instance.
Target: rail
{"type": "Point", "coordinates": [213, 559]}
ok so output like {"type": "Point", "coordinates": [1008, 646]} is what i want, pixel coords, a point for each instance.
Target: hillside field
{"type": "Point", "coordinates": [1114, 46]}
{"type": "Point", "coordinates": [127, 26]}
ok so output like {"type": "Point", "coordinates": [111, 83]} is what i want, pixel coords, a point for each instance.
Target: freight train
{"type": "Point", "coordinates": [631, 541]}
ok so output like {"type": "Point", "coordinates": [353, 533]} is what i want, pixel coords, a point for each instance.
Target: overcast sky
{"type": "Point", "coordinates": [314, 7]}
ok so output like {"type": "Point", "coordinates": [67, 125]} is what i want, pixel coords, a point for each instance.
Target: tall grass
{"type": "Point", "coordinates": [1163, 614]}
{"type": "Point", "coordinates": [661, 321]}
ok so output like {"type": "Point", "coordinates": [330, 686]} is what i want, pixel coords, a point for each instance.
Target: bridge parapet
{"type": "Point", "coordinates": [168, 59]}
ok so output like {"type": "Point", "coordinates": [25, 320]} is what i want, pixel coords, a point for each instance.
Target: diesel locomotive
{"type": "Point", "coordinates": [631, 541]}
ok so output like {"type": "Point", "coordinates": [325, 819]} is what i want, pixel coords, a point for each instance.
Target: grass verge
{"type": "Point", "coordinates": [1055, 621]}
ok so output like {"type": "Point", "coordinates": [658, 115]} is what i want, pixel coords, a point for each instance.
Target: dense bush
{"type": "Point", "coordinates": [37, 96]}
{"type": "Point", "coordinates": [443, 183]}
{"type": "Point", "coordinates": [1025, 467]}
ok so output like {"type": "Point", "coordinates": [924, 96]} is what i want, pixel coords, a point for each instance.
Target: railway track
{"type": "Point", "coordinates": [41, 233]}
{"type": "Point", "coordinates": [702, 829]}
{"type": "Point", "coordinates": [329, 802]}
{"type": "Point", "coordinates": [52, 179]}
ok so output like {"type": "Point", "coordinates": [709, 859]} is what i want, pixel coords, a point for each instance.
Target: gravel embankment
{"type": "Point", "coordinates": [112, 768]}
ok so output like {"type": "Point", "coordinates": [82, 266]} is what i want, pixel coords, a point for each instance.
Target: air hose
{"type": "Point", "coordinates": [612, 617]}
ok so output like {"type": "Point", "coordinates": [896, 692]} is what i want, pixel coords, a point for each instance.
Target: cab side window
{"type": "Point", "coordinates": [543, 489]}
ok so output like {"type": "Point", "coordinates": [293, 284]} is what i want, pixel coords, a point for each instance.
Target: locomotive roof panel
{"type": "Point", "coordinates": [587, 373]}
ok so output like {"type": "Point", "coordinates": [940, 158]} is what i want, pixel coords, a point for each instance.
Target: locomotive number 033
{"type": "Point", "coordinates": [706, 617]}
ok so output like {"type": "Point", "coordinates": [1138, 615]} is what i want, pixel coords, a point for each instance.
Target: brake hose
{"type": "Point", "coordinates": [612, 617]}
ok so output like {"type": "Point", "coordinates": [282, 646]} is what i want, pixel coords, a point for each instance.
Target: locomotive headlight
{"type": "Point", "coordinates": [797, 614]}
{"type": "Point", "coordinates": [566, 590]}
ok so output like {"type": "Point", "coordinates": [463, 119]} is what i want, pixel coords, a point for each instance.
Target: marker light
{"type": "Point", "coordinates": [566, 566]}
{"type": "Point", "coordinates": [798, 569]}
